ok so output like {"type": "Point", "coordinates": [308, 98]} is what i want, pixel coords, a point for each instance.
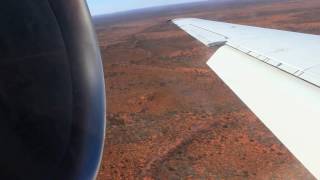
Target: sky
{"type": "Point", "coordinates": [111, 6]}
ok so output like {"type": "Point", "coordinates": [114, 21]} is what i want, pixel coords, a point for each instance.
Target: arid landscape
{"type": "Point", "coordinates": [169, 116]}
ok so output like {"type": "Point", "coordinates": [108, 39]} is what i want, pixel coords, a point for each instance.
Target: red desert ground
{"type": "Point", "coordinates": [170, 116]}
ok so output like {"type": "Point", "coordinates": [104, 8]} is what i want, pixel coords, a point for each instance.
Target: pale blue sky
{"type": "Point", "coordinates": [111, 6]}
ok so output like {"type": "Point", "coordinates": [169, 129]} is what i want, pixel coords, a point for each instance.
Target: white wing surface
{"type": "Point", "coordinates": [275, 73]}
{"type": "Point", "coordinates": [296, 53]}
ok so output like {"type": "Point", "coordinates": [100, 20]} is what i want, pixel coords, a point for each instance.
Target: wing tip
{"type": "Point", "coordinates": [180, 20]}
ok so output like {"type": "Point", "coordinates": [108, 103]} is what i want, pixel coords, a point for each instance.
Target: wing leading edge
{"type": "Point", "coordinates": [285, 72]}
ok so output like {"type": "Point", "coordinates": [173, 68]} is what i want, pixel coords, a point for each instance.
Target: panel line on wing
{"type": "Point", "coordinates": [270, 61]}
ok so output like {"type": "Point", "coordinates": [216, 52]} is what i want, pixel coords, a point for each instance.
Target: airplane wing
{"type": "Point", "coordinates": [275, 73]}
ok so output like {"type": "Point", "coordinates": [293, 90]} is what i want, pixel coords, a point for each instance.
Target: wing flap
{"type": "Point", "coordinates": [288, 106]}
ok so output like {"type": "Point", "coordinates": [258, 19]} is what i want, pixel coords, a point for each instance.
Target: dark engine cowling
{"type": "Point", "coordinates": [52, 101]}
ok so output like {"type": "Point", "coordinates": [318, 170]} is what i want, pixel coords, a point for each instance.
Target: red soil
{"type": "Point", "coordinates": [170, 116]}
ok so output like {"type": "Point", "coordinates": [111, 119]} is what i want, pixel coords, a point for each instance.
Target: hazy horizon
{"type": "Point", "coordinates": [99, 7]}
